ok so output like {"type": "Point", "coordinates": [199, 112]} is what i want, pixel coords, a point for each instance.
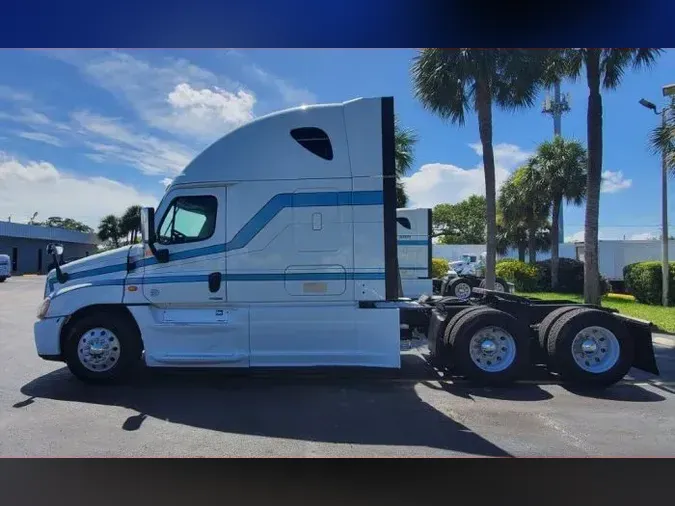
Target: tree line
{"type": "Point", "coordinates": [66, 223]}
{"type": "Point", "coordinates": [115, 231]}
{"type": "Point", "coordinates": [453, 83]}
{"type": "Point", "coordinates": [528, 205]}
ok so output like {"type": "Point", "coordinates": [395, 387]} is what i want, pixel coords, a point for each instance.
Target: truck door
{"type": "Point", "coordinates": [188, 294]}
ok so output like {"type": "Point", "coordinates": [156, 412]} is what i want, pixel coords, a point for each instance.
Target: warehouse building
{"type": "Point", "coordinates": [25, 245]}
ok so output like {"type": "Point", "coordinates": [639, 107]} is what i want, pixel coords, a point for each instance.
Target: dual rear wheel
{"type": "Point", "coordinates": [583, 345]}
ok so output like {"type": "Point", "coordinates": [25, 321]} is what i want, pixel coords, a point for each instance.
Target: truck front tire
{"type": "Point", "coordinates": [102, 348]}
{"type": "Point", "coordinates": [460, 288]}
{"type": "Point", "coordinates": [500, 285]}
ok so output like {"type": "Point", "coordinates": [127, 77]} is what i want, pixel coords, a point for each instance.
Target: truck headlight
{"type": "Point", "coordinates": [43, 308]}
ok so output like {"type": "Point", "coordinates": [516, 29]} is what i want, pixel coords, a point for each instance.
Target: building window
{"type": "Point", "coordinates": [314, 140]}
{"type": "Point", "coordinates": [189, 219]}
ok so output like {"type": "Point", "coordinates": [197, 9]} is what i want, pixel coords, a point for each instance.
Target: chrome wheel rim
{"type": "Point", "coordinates": [492, 349]}
{"type": "Point", "coordinates": [462, 290]}
{"type": "Point", "coordinates": [98, 349]}
{"type": "Point", "coordinates": [499, 287]}
{"type": "Point", "coordinates": [596, 349]}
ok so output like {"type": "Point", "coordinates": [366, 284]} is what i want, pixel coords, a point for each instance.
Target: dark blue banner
{"type": "Point", "coordinates": [348, 23]}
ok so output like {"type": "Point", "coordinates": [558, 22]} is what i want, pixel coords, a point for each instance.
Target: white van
{"type": "Point", "coordinates": [5, 267]}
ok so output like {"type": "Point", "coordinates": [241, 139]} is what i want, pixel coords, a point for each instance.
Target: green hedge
{"type": "Point", "coordinates": [537, 278]}
{"type": "Point", "coordinates": [439, 267]}
{"type": "Point", "coordinates": [643, 281]}
{"type": "Point", "coordinates": [523, 276]}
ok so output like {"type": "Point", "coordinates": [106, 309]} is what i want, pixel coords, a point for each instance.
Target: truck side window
{"type": "Point", "coordinates": [314, 140]}
{"type": "Point", "coordinates": [404, 222]}
{"type": "Point", "coordinates": [189, 218]}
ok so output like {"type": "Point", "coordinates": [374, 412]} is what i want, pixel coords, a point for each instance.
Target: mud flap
{"type": "Point", "coordinates": [641, 333]}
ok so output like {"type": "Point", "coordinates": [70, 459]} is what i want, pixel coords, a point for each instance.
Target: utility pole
{"type": "Point", "coordinates": [668, 91]}
{"type": "Point", "coordinates": [556, 108]}
{"type": "Point", "coordinates": [665, 265]}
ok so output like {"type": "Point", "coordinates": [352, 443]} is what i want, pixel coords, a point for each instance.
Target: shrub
{"type": "Point", "coordinates": [522, 275]}
{"type": "Point", "coordinates": [643, 281]}
{"type": "Point", "coordinates": [570, 277]}
{"type": "Point", "coordinates": [439, 267]}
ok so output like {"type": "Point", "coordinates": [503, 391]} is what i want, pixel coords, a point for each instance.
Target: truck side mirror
{"type": "Point", "coordinates": [148, 225]}
{"type": "Point", "coordinates": [148, 234]}
{"type": "Point", "coordinates": [56, 250]}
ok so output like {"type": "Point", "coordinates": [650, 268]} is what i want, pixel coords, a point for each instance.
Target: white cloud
{"type": "Point", "coordinates": [206, 112]}
{"type": "Point", "coordinates": [41, 137]}
{"type": "Point", "coordinates": [508, 156]}
{"type": "Point", "coordinates": [26, 187]}
{"type": "Point", "coordinates": [9, 93]}
{"type": "Point", "coordinates": [613, 182]}
{"type": "Point", "coordinates": [35, 119]}
{"type": "Point", "coordinates": [166, 181]}
{"type": "Point", "coordinates": [120, 144]}
{"type": "Point", "coordinates": [175, 95]}
{"type": "Point", "coordinates": [437, 183]}
{"type": "Point", "coordinates": [291, 94]}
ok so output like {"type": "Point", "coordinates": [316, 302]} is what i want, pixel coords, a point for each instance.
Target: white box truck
{"type": "Point", "coordinates": [277, 246]}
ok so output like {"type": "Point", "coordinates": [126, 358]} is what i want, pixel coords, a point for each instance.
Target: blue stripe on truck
{"type": "Point", "coordinates": [258, 222]}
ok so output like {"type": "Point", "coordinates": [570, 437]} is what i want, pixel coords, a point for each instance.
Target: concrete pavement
{"type": "Point", "coordinates": [44, 411]}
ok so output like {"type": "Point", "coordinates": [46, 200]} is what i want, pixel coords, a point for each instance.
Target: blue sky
{"type": "Point", "coordinates": [86, 133]}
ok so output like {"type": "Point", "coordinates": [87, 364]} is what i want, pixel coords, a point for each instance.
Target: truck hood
{"type": "Point", "coordinates": [107, 266]}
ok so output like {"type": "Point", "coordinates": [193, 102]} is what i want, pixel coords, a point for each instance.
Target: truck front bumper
{"type": "Point", "coordinates": [47, 338]}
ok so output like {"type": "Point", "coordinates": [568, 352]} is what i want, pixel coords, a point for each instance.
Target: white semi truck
{"type": "Point", "coordinates": [277, 246]}
{"type": "Point", "coordinates": [414, 251]}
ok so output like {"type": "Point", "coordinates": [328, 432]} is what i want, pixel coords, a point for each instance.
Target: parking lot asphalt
{"type": "Point", "coordinates": [44, 411]}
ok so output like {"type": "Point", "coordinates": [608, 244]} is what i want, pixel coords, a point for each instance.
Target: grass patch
{"type": "Point", "coordinates": [662, 317]}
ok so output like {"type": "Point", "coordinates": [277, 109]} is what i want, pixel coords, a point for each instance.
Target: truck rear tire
{"type": "Point", "coordinates": [102, 348]}
{"type": "Point", "coordinates": [547, 323]}
{"type": "Point", "coordinates": [460, 288]}
{"type": "Point", "coordinates": [501, 285]}
{"type": "Point", "coordinates": [489, 346]}
{"type": "Point", "coordinates": [440, 357]}
{"type": "Point", "coordinates": [590, 347]}
{"type": "Point", "coordinates": [2, 279]}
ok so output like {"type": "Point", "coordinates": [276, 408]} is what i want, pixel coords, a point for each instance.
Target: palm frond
{"type": "Point", "coordinates": [614, 62]}
{"type": "Point", "coordinates": [442, 81]}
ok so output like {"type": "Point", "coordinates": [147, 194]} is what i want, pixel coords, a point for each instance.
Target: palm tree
{"type": "Point", "coordinates": [130, 223]}
{"type": "Point", "coordinates": [604, 69]}
{"type": "Point", "coordinates": [109, 230]}
{"type": "Point", "coordinates": [510, 235]}
{"type": "Point", "coordinates": [516, 237]}
{"type": "Point", "coordinates": [452, 82]}
{"type": "Point", "coordinates": [662, 139]}
{"type": "Point", "coordinates": [524, 204]}
{"type": "Point", "coordinates": [562, 165]}
{"type": "Point", "coordinates": [404, 145]}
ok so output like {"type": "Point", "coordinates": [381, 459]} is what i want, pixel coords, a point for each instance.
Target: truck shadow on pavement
{"type": "Point", "coordinates": [365, 408]}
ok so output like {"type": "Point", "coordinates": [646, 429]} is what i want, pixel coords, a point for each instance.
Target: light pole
{"type": "Point", "coordinates": [668, 90]}
{"type": "Point", "coordinates": [556, 108]}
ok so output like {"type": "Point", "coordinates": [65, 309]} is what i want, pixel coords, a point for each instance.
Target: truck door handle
{"type": "Point", "coordinates": [214, 281]}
